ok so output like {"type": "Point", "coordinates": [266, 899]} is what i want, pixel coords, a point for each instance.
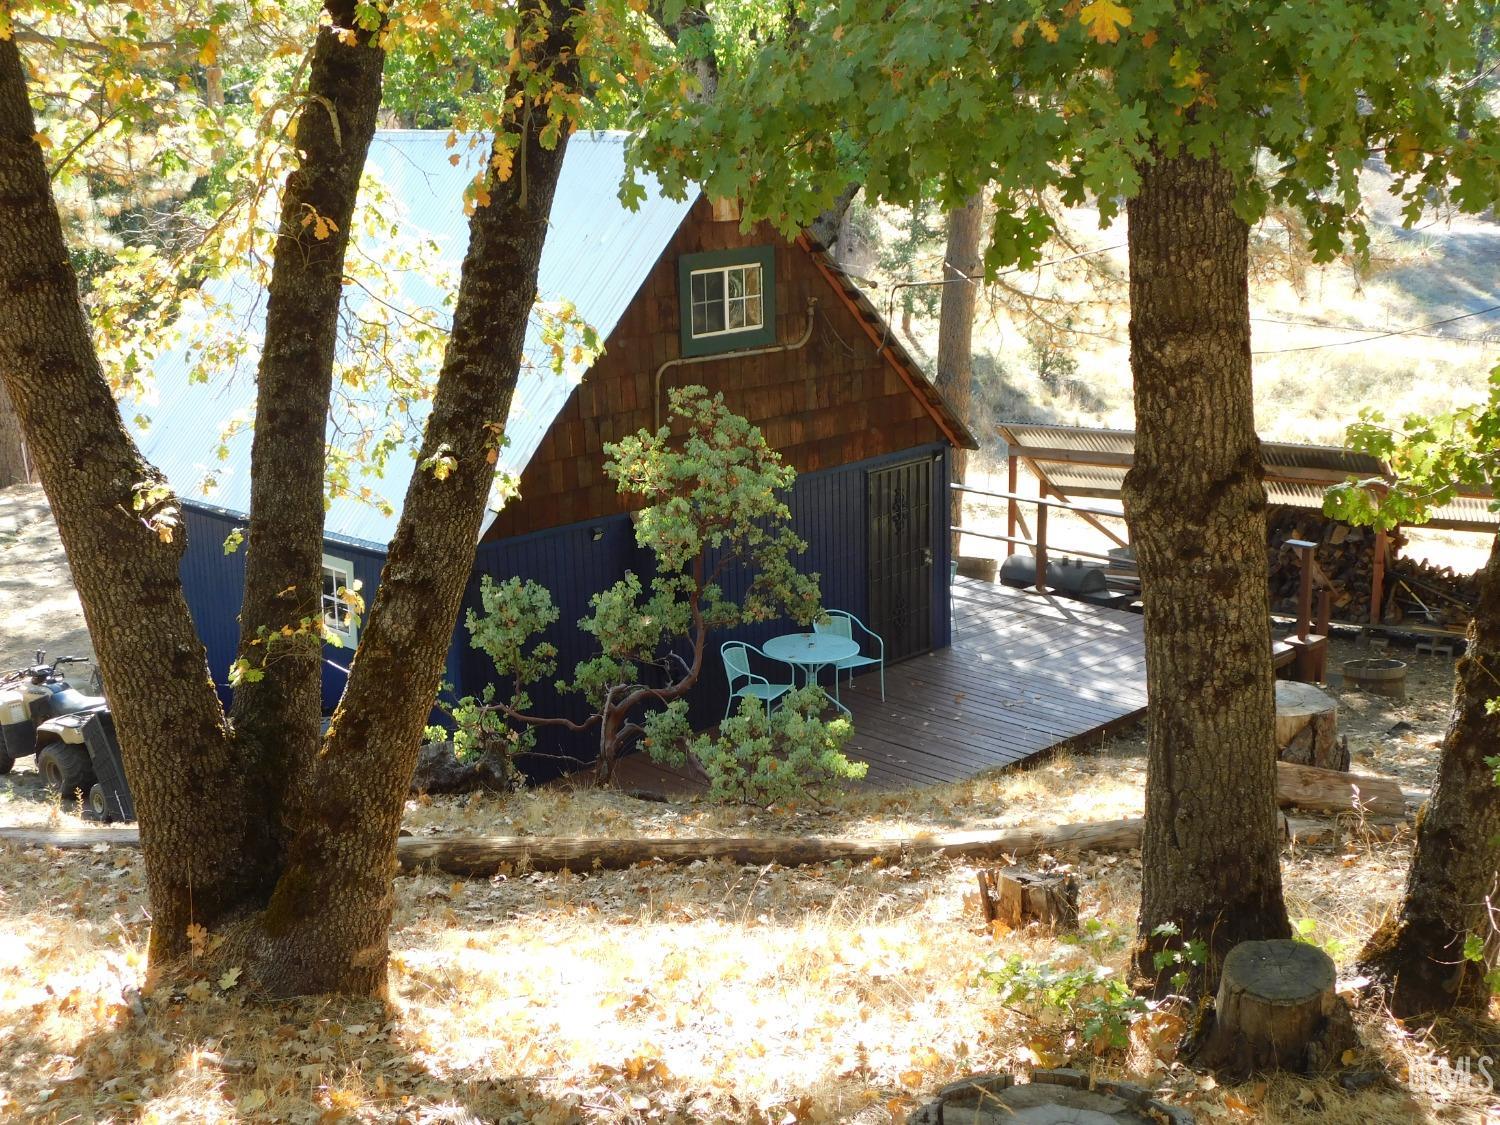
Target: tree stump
{"type": "Point", "coordinates": [1276, 1010]}
{"type": "Point", "coordinates": [1307, 727]}
{"type": "Point", "coordinates": [1015, 897]}
{"type": "Point", "coordinates": [1052, 1097]}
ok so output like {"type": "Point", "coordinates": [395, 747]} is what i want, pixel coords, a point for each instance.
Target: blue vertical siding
{"type": "Point", "coordinates": [828, 512]}
{"type": "Point", "coordinates": [214, 584]}
{"type": "Point", "coordinates": [574, 563]}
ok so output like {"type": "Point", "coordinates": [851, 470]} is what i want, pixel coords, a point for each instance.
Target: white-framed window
{"type": "Point", "coordinates": [727, 299]}
{"type": "Point", "coordinates": [339, 616]}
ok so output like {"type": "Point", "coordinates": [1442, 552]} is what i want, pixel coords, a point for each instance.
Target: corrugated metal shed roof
{"type": "Point", "coordinates": [1091, 462]}
{"type": "Point", "coordinates": [597, 255]}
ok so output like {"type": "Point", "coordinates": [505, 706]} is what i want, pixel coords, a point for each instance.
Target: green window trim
{"type": "Point", "coordinates": [710, 286]}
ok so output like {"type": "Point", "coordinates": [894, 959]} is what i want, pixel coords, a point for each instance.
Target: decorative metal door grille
{"type": "Point", "coordinates": [899, 508]}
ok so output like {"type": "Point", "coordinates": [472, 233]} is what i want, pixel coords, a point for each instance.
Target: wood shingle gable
{"type": "Point", "coordinates": [850, 393]}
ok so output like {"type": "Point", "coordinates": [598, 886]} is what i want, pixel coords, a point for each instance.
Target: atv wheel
{"type": "Point", "coordinates": [66, 769]}
{"type": "Point", "coordinates": [99, 803]}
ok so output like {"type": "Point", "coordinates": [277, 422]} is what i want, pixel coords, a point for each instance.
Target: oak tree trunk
{"type": "Point", "coordinates": [13, 467]}
{"type": "Point", "coordinates": [1195, 505]}
{"type": "Point", "coordinates": [955, 350]}
{"type": "Point", "coordinates": [211, 855]}
{"type": "Point", "coordinates": [1451, 888]}
{"type": "Point", "coordinates": [327, 924]}
{"type": "Point", "coordinates": [278, 711]}
{"type": "Point", "coordinates": [120, 526]}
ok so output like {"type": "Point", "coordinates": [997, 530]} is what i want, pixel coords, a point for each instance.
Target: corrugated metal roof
{"type": "Point", "coordinates": [1317, 465]}
{"type": "Point", "coordinates": [597, 255]}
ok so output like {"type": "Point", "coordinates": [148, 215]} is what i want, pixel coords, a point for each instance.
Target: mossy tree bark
{"type": "Point", "coordinates": [1451, 890]}
{"type": "Point", "coordinates": [280, 712]}
{"type": "Point", "coordinates": [304, 905]}
{"type": "Point", "coordinates": [955, 354]}
{"type": "Point", "coordinates": [1195, 506]}
{"type": "Point", "coordinates": [124, 561]}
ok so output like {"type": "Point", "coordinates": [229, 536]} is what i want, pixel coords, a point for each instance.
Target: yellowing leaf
{"type": "Point", "coordinates": [251, 1101]}
{"type": "Point", "coordinates": [1018, 36]}
{"type": "Point", "coordinates": [1048, 30]}
{"type": "Point", "coordinates": [230, 978]}
{"type": "Point", "coordinates": [1149, 39]}
{"type": "Point", "coordinates": [1104, 18]}
{"type": "Point", "coordinates": [197, 936]}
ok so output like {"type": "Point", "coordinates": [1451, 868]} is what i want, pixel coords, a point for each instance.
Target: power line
{"type": "Point", "coordinates": [1382, 335]}
{"type": "Point", "coordinates": [1488, 338]}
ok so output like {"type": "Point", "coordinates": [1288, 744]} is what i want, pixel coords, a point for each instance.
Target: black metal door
{"type": "Point", "coordinates": [899, 508]}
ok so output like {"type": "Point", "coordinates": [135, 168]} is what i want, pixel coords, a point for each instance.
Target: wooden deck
{"type": "Point", "coordinates": [1025, 673]}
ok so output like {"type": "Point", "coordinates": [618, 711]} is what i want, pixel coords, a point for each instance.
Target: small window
{"type": "Point", "coordinates": [728, 300]}
{"type": "Point", "coordinates": [338, 614]}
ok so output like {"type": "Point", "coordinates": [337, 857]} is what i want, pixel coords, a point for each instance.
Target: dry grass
{"type": "Point", "coordinates": [700, 993]}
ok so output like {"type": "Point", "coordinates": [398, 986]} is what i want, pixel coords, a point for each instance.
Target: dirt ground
{"type": "Point", "coordinates": [38, 608]}
{"type": "Point", "coordinates": [698, 993]}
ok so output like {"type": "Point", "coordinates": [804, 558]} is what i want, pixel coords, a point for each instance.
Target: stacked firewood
{"type": "Point", "coordinates": [1345, 557]}
{"type": "Point", "coordinates": [1419, 593]}
{"type": "Point", "coordinates": [1415, 592]}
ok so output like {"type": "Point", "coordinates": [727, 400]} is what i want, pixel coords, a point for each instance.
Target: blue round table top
{"type": "Point", "coordinates": [810, 648]}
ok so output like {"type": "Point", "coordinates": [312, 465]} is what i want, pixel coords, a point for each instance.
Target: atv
{"type": "Point", "coordinates": [71, 734]}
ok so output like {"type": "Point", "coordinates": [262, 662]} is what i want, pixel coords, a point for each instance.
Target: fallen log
{"type": "Point", "coordinates": [1334, 792]}
{"type": "Point", "coordinates": [1304, 786]}
{"type": "Point", "coordinates": [485, 855]}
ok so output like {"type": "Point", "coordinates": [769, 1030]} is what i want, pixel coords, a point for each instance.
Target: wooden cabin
{"type": "Point", "coordinates": [680, 294]}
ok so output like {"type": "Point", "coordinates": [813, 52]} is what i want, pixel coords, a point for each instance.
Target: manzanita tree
{"type": "Point", "coordinates": [1194, 117]}
{"type": "Point", "coordinates": [714, 510]}
{"type": "Point", "coordinates": [254, 824]}
{"type": "Point", "coordinates": [1439, 951]}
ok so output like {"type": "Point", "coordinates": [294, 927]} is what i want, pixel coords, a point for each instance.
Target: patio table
{"type": "Point", "coordinates": [812, 652]}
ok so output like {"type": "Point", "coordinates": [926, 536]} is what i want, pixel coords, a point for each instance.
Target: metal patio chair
{"type": "Point", "coordinates": [843, 623]}
{"type": "Point", "coordinates": [736, 657]}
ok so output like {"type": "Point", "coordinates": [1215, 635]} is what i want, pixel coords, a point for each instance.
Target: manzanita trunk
{"type": "Point", "coordinates": [1451, 895]}
{"type": "Point", "coordinates": [1195, 505]}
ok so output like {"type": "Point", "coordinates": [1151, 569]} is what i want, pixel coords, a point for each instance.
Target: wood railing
{"type": "Point", "coordinates": [1039, 545]}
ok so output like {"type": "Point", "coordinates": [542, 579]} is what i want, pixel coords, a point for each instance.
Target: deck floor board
{"type": "Point", "coordinates": [1025, 673]}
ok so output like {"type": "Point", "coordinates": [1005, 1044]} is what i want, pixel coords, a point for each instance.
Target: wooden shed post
{"type": "Point", "coordinates": [1012, 510]}
{"type": "Point", "coordinates": [1041, 540]}
{"type": "Point", "coordinates": [1377, 570]}
{"type": "Point", "coordinates": [1377, 579]}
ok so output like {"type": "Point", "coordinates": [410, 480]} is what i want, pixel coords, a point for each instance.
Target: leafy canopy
{"type": "Point", "coordinates": [169, 127]}
{"type": "Point", "coordinates": [1036, 97]}
{"type": "Point", "coordinates": [1432, 459]}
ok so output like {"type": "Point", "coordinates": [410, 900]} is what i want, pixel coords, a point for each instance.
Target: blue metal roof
{"type": "Point", "coordinates": [597, 256]}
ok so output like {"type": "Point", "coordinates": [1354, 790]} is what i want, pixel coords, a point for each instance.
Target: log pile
{"type": "Point", "coordinates": [1415, 592]}
{"type": "Point", "coordinates": [1419, 593]}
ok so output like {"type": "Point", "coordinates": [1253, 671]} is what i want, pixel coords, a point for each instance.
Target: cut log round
{"type": "Point", "coordinates": [1052, 1097]}
{"type": "Point", "coordinates": [1015, 898]}
{"type": "Point", "coordinates": [1276, 1010]}
{"type": "Point", "coordinates": [1307, 727]}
